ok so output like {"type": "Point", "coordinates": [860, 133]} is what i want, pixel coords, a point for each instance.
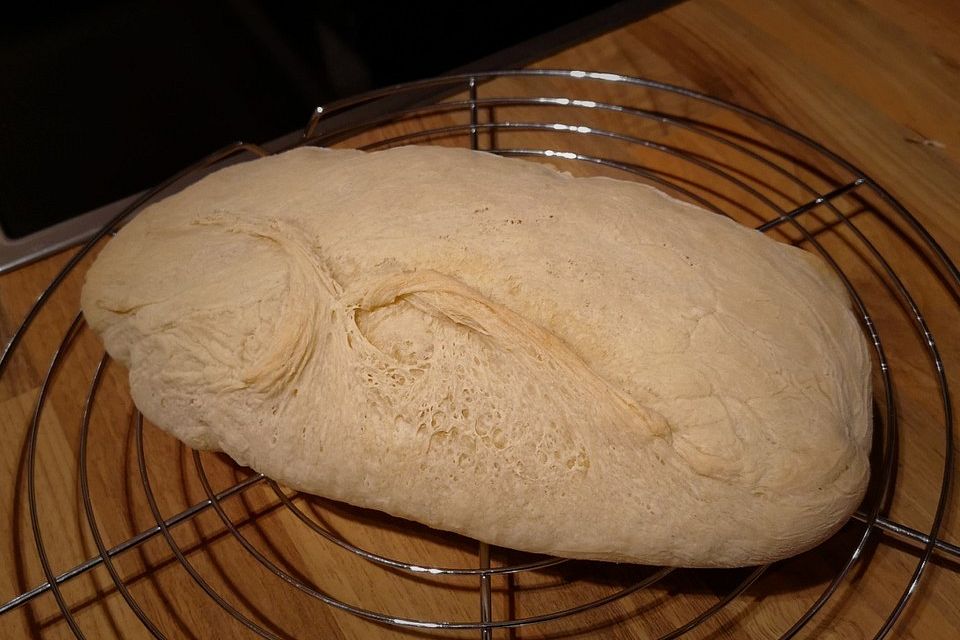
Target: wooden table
{"type": "Point", "coordinates": [878, 84]}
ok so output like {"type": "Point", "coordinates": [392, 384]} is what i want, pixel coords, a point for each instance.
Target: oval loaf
{"type": "Point", "coordinates": [582, 367]}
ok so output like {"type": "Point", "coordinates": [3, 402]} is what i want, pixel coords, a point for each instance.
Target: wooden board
{"type": "Point", "coordinates": [876, 84]}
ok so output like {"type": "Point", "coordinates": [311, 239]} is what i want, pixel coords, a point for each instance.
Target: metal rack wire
{"type": "Point", "coordinates": [677, 139]}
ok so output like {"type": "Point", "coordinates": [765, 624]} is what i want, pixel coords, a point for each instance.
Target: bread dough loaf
{"type": "Point", "coordinates": [582, 367]}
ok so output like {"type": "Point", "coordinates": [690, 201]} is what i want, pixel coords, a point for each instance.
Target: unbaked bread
{"type": "Point", "coordinates": [582, 367]}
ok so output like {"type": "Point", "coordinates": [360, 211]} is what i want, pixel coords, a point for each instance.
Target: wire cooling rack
{"type": "Point", "coordinates": [718, 155]}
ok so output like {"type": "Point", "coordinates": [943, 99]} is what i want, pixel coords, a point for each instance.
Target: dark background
{"type": "Point", "coordinates": [104, 100]}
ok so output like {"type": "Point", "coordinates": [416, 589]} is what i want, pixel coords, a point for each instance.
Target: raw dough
{"type": "Point", "coordinates": [582, 367]}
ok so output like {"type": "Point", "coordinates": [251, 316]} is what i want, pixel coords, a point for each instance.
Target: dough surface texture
{"type": "Point", "coordinates": [582, 367]}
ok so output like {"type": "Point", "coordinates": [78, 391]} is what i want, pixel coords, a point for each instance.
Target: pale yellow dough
{"type": "Point", "coordinates": [582, 367]}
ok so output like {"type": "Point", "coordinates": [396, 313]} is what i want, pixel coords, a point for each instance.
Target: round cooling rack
{"type": "Point", "coordinates": [181, 535]}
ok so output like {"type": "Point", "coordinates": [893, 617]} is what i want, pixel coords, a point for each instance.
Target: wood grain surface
{"type": "Point", "coordinates": [878, 83]}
